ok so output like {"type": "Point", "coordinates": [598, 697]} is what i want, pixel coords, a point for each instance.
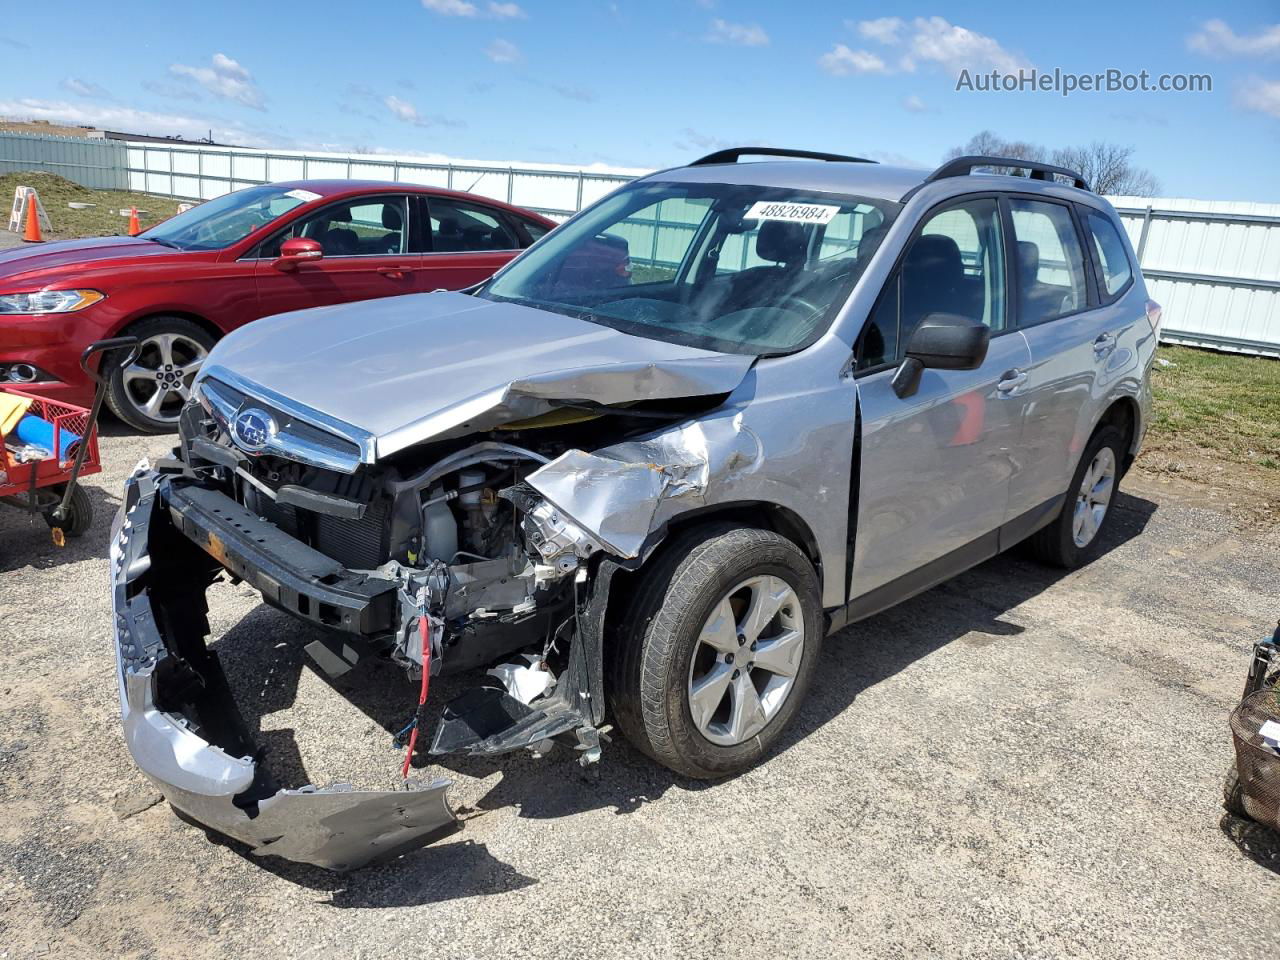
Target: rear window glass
{"type": "Point", "coordinates": [1108, 248]}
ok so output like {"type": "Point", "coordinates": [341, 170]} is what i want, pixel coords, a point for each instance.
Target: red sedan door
{"type": "Point", "coordinates": [468, 241]}
{"type": "Point", "coordinates": [368, 253]}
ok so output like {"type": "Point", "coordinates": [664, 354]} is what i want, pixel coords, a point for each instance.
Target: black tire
{"type": "Point", "coordinates": [127, 401]}
{"type": "Point", "coordinates": [1232, 796]}
{"type": "Point", "coordinates": [1055, 544]}
{"type": "Point", "coordinates": [649, 672]}
{"type": "Point", "coordinates": [79, 516]}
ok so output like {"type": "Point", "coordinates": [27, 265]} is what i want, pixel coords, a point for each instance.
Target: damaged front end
{"type": "Point", "coordinates": [504, 548]}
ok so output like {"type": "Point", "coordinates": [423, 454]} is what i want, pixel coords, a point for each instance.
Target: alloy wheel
{"type": "Point", "coordinates": [745, 660]}
{"type": "Point", "coordinates": [158, 382]}
{"type": "Point", "coordinates": [1094, 497]}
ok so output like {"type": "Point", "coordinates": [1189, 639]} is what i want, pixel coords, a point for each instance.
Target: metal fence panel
{"type": "Point", "coordinates": [1213, 266]}
{"type": "Point", "coordinates": [98, 164]}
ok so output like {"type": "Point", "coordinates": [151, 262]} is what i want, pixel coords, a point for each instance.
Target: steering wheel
{"type": "Point", "coordinates": [810, 309]}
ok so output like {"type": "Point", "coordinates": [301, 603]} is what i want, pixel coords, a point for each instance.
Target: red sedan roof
{"type": "Point", "coordinates": [330, 189]}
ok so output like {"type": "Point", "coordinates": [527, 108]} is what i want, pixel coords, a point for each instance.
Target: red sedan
{"type": "Point", "coordinates": [268, 249]}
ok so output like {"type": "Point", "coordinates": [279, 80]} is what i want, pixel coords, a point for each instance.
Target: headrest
{"type": "Point", "coordinates": [449, 227]}
{"type": "Point", "coordinates": [782, 241]}
{"type": "Point", "coordinates": [391, 217]}
{"type": "Point", "coordinates": [1028, 261]}
{"type": "Point", "coordinates": [870, 241]}
{"type": "Point", "coordinates": [341, 215]}
{"type": "Point", "coordinates": [935, 255]}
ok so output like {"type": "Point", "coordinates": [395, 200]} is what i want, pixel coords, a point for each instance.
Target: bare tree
{"type": "Point", "coordinates": [1107, 167]}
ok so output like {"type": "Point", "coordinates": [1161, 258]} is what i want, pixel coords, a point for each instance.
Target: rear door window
{"type": "Point", "coordinates": [461, 227]}
{"type": "Point", "coordinates": [1049, 274]}
{"type": "Point", "coordinates": [1114, 269]}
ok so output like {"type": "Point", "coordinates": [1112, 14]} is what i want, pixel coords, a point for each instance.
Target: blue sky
{"type": "Point", "coordinates": [643, 84]}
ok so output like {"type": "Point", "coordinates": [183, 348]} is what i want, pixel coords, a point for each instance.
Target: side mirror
{"type": "Point", "coordinates": [943, 341]}
{"type": "Point", "coordinates": [295, 251]}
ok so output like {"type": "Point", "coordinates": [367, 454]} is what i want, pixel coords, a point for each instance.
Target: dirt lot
{"type": "Point", "coordinates": [1017, 763]}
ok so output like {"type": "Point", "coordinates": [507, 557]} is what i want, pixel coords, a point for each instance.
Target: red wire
{"type": "Point", "coordinates": [424, 630]}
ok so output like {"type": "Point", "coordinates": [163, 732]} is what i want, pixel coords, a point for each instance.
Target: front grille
{"type": "Point", "coordinates": [356, 544]}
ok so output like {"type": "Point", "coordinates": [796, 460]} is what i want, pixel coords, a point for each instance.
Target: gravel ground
{"type": "Point", "coordinates": [1015, 764]}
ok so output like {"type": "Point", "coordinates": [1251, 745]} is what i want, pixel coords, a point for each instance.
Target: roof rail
{"type": "Point", "coordinates": [732, 154]}
{"type": "Point", "coordinates": [963, 166]}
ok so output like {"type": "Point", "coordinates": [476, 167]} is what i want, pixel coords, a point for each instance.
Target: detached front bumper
{"type": "Point", "coordinates": [185, 732]}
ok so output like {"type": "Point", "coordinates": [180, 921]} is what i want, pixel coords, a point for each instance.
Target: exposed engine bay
{"type": "Point", "coordinates": [443, 556]}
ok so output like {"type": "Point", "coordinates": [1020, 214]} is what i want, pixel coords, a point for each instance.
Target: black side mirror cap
{"type": "Point", "coordinates": [943, 341]}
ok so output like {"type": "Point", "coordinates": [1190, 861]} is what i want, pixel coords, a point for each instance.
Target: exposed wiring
{"type": "Point", "coordinates": [424, 631]}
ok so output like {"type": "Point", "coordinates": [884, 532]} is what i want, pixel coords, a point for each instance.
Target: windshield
{"type": "Point", "coordinates": [225, 220]}
{"type": "Point", "coordinates": [739, 269]}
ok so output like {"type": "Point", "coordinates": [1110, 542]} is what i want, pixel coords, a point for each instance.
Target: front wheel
{"type": "Point", "coordinates": [722, 640]}
{"type": "Point", "coordinates": [149, 393]}
{"type": "Point", "coordinates": [79, 516]}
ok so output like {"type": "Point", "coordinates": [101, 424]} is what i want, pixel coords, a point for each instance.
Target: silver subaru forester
{"type": "Point", "coordinates": [638, 475]}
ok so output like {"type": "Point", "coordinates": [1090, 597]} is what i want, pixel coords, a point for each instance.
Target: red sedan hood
{"type": "Point", "coordinates": [44, 256]}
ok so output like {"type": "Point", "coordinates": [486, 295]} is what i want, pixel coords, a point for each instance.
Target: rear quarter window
{"type": "Point", "coordinates": [1114, 269]}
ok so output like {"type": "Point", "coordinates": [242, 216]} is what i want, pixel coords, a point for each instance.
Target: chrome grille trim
{"type": "Point", "coordinates": [303, 434]}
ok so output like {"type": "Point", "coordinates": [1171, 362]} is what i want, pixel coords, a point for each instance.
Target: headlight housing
{"type": "Point", "coordinates": [48, 301]}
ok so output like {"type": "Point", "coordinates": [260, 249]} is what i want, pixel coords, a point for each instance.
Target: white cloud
{"type": "Point", "coordinates": [930, 40]}
{"type": "Point", "coordinates": [842, 62]}
{"type": "Point", "coordinates": [742, 34]}
{"type": "Point", "coordinates": [503, 51]}
{"type": "Point", "coordinates": [914, 104]}
{"type": "Point", "coordinates": [1219, 40]}
{"type": "Point", "coordinates": [451, 8]}
{"type": "Point", "coordinates": [506, 11]}
{"type": "Point", "coordinates": [132, 120]}
{"type": "Point", "coordinates": [954, 48]}
{"type": "Point", "coordinates": [226, 79]}
{"type": "Point", "coordinates": [883, 29]}
{"type": "Point", "coordinates": [1261, 95]}
{"type": "Point", "coordinates": [84, 88]}
{"type": "Point", "coordinates": [402, 109]}
{"type": "Point", "coordinates": [465, 8]}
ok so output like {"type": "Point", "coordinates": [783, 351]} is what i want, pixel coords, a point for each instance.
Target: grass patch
{"type": "Point", "coordinates": [1222, 403]}
{"type": "Point", "coordinates": [102, 220]}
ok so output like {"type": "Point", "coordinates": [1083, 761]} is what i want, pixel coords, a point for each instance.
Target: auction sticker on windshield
{"type": "Point", "coordinates": [791, 212]}
{"type": "Point", "coordinates": [306, 196]}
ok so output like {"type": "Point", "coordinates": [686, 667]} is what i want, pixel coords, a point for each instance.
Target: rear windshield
{"type": "Point", "coordinates": [739, 269]}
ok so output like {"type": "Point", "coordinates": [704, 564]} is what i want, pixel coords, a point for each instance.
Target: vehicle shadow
{"type": "Point", "coordinates": [854, 660]}
{"type": "Point", "coordinates": [1254, 840]}
{"type": "Point", "coordinates": [26, 540]}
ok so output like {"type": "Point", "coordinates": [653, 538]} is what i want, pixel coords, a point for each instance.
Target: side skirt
{"type": "Point", "coordinates": [947, 566]}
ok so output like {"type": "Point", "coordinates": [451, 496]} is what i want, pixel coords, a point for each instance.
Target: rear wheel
{"type": "Point", "coordinates": [1075, 536]}
{"type": "Point", "coordinates": [79, 516]}
{"type": "Point", "coordinates": [149, 393]}
{"type": "Point", "coordinates": [723, 638]}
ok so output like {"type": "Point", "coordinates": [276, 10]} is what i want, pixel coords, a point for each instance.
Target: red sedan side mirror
{"type": "Point", "coordinates": [297, 250]}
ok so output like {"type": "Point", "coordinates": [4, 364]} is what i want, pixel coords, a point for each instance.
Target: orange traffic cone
{"type": "Point", "coordinates": [134, 229]}
{"type": "Point", "coordinates": [31, 233]}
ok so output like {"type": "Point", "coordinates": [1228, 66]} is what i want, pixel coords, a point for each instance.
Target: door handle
{"type": "Point", "coordinates": [395, 273]}
{"type": "Point", "coordinates": [1011, 381]}
{"type": "Point", "coordinates": [1105, 343]}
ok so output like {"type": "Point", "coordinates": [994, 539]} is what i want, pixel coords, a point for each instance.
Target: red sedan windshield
{"type": "Point", "coordinates": [228, 219]}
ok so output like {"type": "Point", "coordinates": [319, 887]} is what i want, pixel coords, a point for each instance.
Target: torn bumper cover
{"type": "Point", "coordinates": [185, 732]}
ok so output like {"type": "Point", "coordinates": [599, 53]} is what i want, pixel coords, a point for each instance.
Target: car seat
{"type": "Point", "coordinates": [392, 221]}
{"type": "Point", "coordinates": [932, 277]}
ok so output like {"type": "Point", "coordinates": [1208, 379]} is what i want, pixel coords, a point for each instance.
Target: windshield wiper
{"type": "Point", "coordinates": [165, 243]}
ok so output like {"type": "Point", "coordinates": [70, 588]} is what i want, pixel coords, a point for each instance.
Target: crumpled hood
{"type": "Point", "coordinates": [404, 369]}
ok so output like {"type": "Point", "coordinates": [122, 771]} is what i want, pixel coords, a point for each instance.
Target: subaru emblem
{"type": "Point", "coordinates": [254, 429]}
